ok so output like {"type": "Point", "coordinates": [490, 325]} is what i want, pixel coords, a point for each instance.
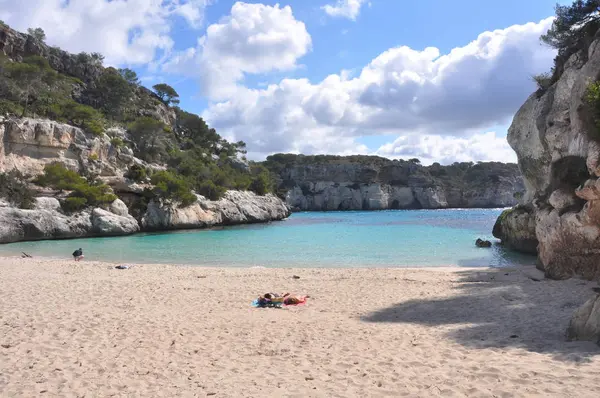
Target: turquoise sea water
{"type": "Point", "coordinates": [392, 238]}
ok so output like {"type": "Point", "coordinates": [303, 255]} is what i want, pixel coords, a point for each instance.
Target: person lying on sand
{"type": "Point", "coordinates": [272, 299]}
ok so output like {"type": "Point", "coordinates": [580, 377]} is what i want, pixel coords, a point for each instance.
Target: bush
{"type": "Point", "coordinates": [10, 108]}
{"type": "Point", "coordinates": [211, 191]}
{"type": "Point", "coordinates": [14, 188]}
{"type": "Point", "coordinates": [83, 192]}
{"type": "Point", "coordinates": [117, 142]}
{"type": "Point", "coordinates": [544, 80]}
{"type": "Point", "coordinates": [59, 177]}
{"type": "Point", "coordinates": [93, 157]}
{"type": "Point", "coordinates": [169, 187]}
{"type": "Point", "coordinates": [72, 204]}
{"type": "Point", "coordinates": [592, 100]}
{"type": "Point", "coordinates": [137, 173]}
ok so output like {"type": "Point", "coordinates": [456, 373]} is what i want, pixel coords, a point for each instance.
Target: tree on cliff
{"type": "Point", "coordinates": [572, 24]}
{"type": "Point", "coordinates": [37, 33]}
{"type": "Point", "coordinates": [130, 76]}
{"type": "Point", "coordinates": [113, 93]}
{"type": "Point", "coordinates": [166, 93]}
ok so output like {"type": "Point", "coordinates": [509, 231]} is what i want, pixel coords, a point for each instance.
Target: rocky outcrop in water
{"type": "Point", "coordinates": [234, 208]}
{"type": "Point", "coordinates": [48, 221]}
{"type": "Point", "coordinates": [374, 183]}
{"type": "Point", "coordinates": [553, 136]}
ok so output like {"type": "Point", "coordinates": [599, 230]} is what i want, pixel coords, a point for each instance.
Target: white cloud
{"type": "Point", "coordinates": [446, 149]}
{"type": "Point", "coordinates": [344, 8]}
{"type": "Point", "coordinates": [253, 39]}
{"type": "Point", "coordinates": [401, 92]}
{"type": "Point", "coordinates": [124, 31]}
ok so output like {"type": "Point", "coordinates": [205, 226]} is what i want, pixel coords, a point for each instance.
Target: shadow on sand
{"type": "Point", "coordinates": [503, 308]}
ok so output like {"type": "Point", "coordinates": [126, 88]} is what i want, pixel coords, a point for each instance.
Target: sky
{"type": "Point", "coordinates": [437, 80]}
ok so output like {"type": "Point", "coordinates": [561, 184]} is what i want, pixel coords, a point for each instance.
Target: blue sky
{"type": "Point", "coordinates": [340, 79]}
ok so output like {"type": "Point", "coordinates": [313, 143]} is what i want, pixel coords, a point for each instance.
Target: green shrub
{"type": "Point", "coordinates": [14, 188]}
{"type": "Point", "coordinates": [137, 173]}
{"type": "Point", "coordinates": [72, 204]}
{"type": "Point", "coordinates": [543, 80]}
{"type": "Point", "coordinates": [117, 142]}
{"type": "Point", "coordinates": [58, 176]}
{"type": "Point", "coordinates": [93, 157]}
{"type": "Point", "coordinates": [211, 191]}
{"type": "Point", "coordinates": [10, 108]}
{"type": "Point", "coordinates": [592, 99]}
{"type": "Point", "coordinates": [83, 193]}
{"type": "Point", "coordinates": [169, 187]}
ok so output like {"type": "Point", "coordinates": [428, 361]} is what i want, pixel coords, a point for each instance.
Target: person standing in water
{"type": "Point", "coordinates": [78, 254]}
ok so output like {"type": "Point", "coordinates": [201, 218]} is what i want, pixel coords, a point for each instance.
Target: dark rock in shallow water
{"type": "Point", "coordinates": [483, 243]}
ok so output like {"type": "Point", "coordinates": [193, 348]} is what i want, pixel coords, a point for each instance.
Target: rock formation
{"type": "Point", "coordinates": [585, 322]}
{"type": "Point", "coordinates": [47, 221]}
{"type": "Point", "coordinates": [553, 136]}
{"type": "Point", "coordinates": [29, 144]}
{"type": "Point", "coordinates": [234, 208]}
{"type": "Point", "coordinates": [374, 183]}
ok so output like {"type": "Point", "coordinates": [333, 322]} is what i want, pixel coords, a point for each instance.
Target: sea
{"type": "Point", "coordinates": [392, 238]}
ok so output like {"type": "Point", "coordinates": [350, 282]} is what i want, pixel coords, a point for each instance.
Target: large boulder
{"type": "Point", "coordinates": [516, 229]}
{"type": "Point", "coordinates": [585, 322]}
{"type": "Point", "coordinates": [47, 221]}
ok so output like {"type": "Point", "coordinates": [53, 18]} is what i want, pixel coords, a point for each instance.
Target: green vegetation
{"type": "Point", "coordinates": [137, 173]}
{"type": "Point", "coordinates": [573, 29]}
{"type": "Point", "coordinates": [37, 33]}
{"type": "Point", "coordinates": [83, 193]}
{"type": "Point", "coordinates": [169, 187]}
{"type": "Point", "coordinates": [13, 188]}
{"type": "Point", "coordinates": [93, 97]}
{"type": "Point", "coordinates": [167, 94]}
{"type": "Point", "coordinates": [544, 80]}
{"type": "Point", "coordinates": [592, 100]}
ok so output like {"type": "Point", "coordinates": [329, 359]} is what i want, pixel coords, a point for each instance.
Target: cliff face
{"type": "Point", "coordinates": [29, 144]}
{"type": "Point", "coordinates": [560, 162]}
{"type": "Point", "coordinates": [375, 183]}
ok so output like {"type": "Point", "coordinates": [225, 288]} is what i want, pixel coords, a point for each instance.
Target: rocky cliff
{"type": "Point", "coordinates": [554, 136]}
{"type": "Point", "coordinates": [374, 183]}
{"type": "Point", "coordinates": [29, 144]}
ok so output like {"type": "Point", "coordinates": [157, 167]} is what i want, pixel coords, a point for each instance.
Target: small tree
{"type": "Point", "coordinates": [37, 33]}
{"type": "Point", "coordinates": [113, 93]}
{"type": "Point", "coordinates": [130, 76]}
{"type": "Point", "coordinates": [166, 93]}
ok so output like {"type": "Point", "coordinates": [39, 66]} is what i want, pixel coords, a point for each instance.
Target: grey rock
{"type": "Point", "coordinates": [552, 134]}
{"type": "Point", "coordinates": [585, 322]}
{"type": "Point", "coordinates": [47, 222]}
{"type": "Point", "coordinates": [377, 183]}
{"type": "Point", "coordinates": [234, 208]}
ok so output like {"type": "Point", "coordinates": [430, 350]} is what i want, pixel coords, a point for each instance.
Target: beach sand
{"type": "Point", "coordinates": [86, 329]}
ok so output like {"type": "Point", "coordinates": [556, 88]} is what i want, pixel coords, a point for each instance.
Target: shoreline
{"type": "Point", "coordinates": [69, 328]}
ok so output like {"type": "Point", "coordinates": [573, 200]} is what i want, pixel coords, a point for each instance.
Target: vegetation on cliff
{"type": "Point", "coordinates": [83, 193]}
{"type": "Point", "coordinates": [376, 169]}
{"type": "Point", "coordinates": [94, 98]}
{"type": "Point", "coordinates": [573, 29]}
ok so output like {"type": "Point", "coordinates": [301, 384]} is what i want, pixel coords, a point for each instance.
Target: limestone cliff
{"type": "Point", "coordinates": [552, 134]}
{"type": "Point", "coordinates": [374, 183]}
{"type": "Point", "coordinates": [29, 144]}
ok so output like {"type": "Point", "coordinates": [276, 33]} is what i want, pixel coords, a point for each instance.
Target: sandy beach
{"type": "Point", "coordinates": [88, 330]}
